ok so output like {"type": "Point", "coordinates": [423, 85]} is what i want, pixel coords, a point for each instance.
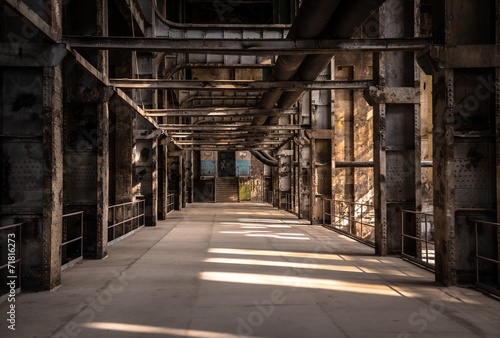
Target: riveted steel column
{"type": "Point", "coordinates": [396, 130]}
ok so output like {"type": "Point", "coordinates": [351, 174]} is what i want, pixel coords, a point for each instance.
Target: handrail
{"type": "Point", "coordinates": [290, 202]}
{"type": "Point", "coordinates": [64, 244]}
{"type": "Point", "coordinates": [419, 241]}
{"type": "Point", "coordinates": [17, 252]}
{"type": "Point", "coordinates": [493, 290]}
{"type": "Point", "coordinates": [352, 218]}
{"type": "Point", "coordinates": [137, 219]}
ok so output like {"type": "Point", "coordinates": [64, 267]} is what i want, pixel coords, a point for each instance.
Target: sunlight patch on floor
{"type": "Point", "coordinates": [146, 329]}
{"type": "Point", "coordinates": [293, 265]}
{"type": "Point", "coordinates": [297, 282]}
{"type": "Point", "coordinates": [230, 251]}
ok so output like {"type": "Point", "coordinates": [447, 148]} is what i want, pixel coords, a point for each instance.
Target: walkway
{"type": "Point", "coordinates": [229, 270]}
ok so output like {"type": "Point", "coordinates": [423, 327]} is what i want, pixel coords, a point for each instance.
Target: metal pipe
{"type": "Point", "coordinates": [343, 24]}
{"type": "Point", "coordinates": [311, 19]}
{"type": "Point", "coordinates": [259, 156]}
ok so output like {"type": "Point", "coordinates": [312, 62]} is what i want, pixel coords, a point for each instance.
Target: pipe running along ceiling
{"type": "Point", "coordinates": [315, 19]}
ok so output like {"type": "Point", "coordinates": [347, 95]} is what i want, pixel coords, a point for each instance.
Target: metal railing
{"type": "Point", "coordinates": [72, 239]}
{"type": "Point", "coordinates": [125, 218]}
{"type": "Point", "coordinates": [492, 286]}
{"type": "Point", "coordinates": [417, 239]}
{"type": "Point", "coordinates": [10, 270]}
{"type": "Point", "coordinates": [170, 203]}
{"type": "Point", "coordinates": [356, 220]}
{"type": "Point", "coordinates": [290, 203]}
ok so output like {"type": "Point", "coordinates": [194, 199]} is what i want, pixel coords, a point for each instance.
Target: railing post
{"type": "Point", "coordinates": [323, 208]}
{"type": "Point", "coordinates": [477, 252]}
{"type": "Point", "coordinates": [402, 232]}
{"type": "Point", "coordinates": [81, 234]}
{"type": "Point", "coordinates": [332, 212]}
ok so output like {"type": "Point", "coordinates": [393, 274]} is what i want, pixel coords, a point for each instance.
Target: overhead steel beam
{"type": "Point", "coordinates": [369, 164]}
{"type": "Point", "coordinates": [224, 127]}
{"type": "Point", "coordinates": [225, 142]}
{"type": "Point", "coordinates": [183, 66]}
{"type": "Point", "coordinates": [215, 112]}
{"type": "Point", "coordinates": [192, 98]}
{"type": "Point", "coordinates": [222, 135]}
{"type": "Point", "coordinates": [238, 85]}
{"type": "Point", "coordinates": [245, 46]}
{"type": "Point", "coordinates": [228, 148]}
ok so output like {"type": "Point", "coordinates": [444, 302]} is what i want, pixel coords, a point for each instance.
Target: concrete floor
{"type": "Point", "coordinates": [230, 270]}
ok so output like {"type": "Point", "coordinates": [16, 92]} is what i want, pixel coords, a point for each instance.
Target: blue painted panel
{"type": "Point", "coordinates": [242, 167]}
{"type": "Point", "coordinates": [207, 168]}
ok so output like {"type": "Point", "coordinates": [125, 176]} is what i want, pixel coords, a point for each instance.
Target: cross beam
{"type": "Point", "coordinates": [219, 111]}
{"type": "Point", "coordinates": [225, 127]}
{"type": "Point", "coordinates": [245, 46]}
{"type": "Point", "coordinates": [239, 85]}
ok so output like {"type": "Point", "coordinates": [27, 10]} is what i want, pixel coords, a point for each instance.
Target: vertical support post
{"type": "Point", "coordinates": [162, 181]}
{"type": "Point", "coordinates": [102, 30]}
{"type": "Point", "coordinates": [380, 174]}
{"type": "Point", "coordinates": [497, 138]}
{"type": "Point", "coordinates": [123, 148]}
{"type": "Point", "coordinates": [313, 180]}
{"type": "Point", "coordinates": [303, 184]}
{"type": "Point", "coordinates": [443, 155]}
{"type": "Point", "coordinates": [397, 129]}
{"type": "Point", "coordinates": [102, 176]}
{"type": "Point", "coordinates": [154, 182]}
{"type": "Point", "coordinates": [52, 177]}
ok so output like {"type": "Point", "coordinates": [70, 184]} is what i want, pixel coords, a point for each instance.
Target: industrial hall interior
{"type": "Point", "coordinates": [250, 168]}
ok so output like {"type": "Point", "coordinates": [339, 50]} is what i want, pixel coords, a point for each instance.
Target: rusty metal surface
{"type": "Point", "coordinates": [244, 46]}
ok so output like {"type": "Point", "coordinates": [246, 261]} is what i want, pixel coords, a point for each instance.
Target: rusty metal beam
{"type": "Point", "coordinates": [402, 95]}
{"type": "Point", "coordinates": [245, 46]}
{"type": "Point", "coordinates": [435, 58]}
{"type": "Point", "coordinates": [237, 85]}
{"type": "Point", "coordinates": [134, 105]}
{"type": "Point", "coordinates": [217, 111]}
{"type": "Point", "coordinates": [224, 142]}
{"type": "Point", "coordinates": [179, 67]}
{"type": "Point", "coordinates": [228, 147]}
{"type": "Point", "coordinates": [369, 164]}
{"type": "Point", "coordinates": [247, 98]}
{"type": "Point", "coordinates": [225, 127]}
{"type": "Point", "coordinates": [222, 135]}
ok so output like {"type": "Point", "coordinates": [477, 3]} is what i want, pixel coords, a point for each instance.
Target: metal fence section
{"type": "Point", "coordinates": [72, 239]}
{"type": "Point", "coordinates": [417, 240]}
{"type": "Point", "coordinates": [487, 263]}
{"type": "Point", "coordinates": [170, 203]}
{"type": "Point", "coordinates": [124, 219]}
{"type": "Point", "coordinates": [356, 220]}
{"type": "Point", "coordinates": [10, 259]}
{"type": "Point", "coordinates": [290, 203]}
